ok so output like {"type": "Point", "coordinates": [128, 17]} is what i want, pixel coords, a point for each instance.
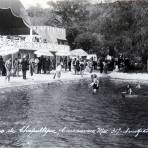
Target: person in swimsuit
{"type": "Point", "coordinates": [138, 86]}
{"type": "Point", "coordinates": [58, 71]}
{"type": "Point", "coordinates": [95, 83]}
{"type": "Point", "coordinates": [129, 90]}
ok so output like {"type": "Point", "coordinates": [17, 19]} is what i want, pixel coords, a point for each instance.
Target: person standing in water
{"type": "Point", "coordinates": [129, 90]}
{"type": "Point", "coordinates": [138, 86]}
{"type": "Point", "coordinates": [95, 83]}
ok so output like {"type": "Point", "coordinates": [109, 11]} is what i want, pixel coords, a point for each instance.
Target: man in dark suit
{"type": "Point", "coordinates": [24, 66]}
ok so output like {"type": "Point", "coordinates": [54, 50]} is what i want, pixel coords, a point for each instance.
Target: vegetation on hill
{"type": "Point", "coordinates": [119, 27]}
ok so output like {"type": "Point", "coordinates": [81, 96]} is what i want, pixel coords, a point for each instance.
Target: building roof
{"type": "Point", "coordinates": [13, 17]}
{"type": "Point", "coordinates": [51, 34]}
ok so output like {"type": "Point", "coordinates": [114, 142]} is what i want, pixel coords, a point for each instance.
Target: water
{"type": "Point", "coordinates": [69, 106]}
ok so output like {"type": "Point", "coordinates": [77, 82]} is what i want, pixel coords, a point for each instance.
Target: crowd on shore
{"type": "Point", "coordinates": [44, 65]}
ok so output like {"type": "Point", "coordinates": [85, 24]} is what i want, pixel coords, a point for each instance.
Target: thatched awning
{"type": "Point", "coordinates": [13, 18]}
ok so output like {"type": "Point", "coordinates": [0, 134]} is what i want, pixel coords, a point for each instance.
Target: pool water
{"type": "Point", "coordinates": [67, 109]}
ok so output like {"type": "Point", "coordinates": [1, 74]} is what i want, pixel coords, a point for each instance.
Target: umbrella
{"type": "Point", "coordinates": [89, 56]}
{"type": "Point", "coordinates": [6, 50]}
{"type": "Point", "coordinates": [43, 53]}
{"type": "Point", "coordinates": [78, 52]}
{"type": "Point", "coordinates": [63, 53]}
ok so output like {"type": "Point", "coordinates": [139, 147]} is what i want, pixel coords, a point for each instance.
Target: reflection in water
{"type": "Point", "coordinates": [71, 105]}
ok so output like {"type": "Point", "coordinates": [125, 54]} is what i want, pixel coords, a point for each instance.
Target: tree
{"type": "Point", "coordinates": [70, 11]}
{"type": "Point", "coordinates": [38, 15]}
{"type": "Point", "coordinates": [88, 41]}
{"type": "Point", "coordinates": [121, 27]}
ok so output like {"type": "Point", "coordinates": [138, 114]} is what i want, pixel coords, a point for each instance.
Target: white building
{"type": "Point", "coordinates": [51, 34]}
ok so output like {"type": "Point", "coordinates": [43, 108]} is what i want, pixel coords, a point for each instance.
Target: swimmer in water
{"type": "Point", "coordinates": [138, 85]}
{"type": "Point", "coordinates": [95, 84]}
{"type": "Point", "coordinates": [129, 90]}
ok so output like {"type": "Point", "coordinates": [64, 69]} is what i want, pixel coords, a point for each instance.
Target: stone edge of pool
{"type": "Point", "coordinates": [45, 79]}
{"type": "Point", "coordinates": [132, 77]}
{"type": "Point", "coordinates": [37, 83]}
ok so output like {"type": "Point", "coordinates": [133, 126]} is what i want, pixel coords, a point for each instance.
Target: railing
{"type": "Point", "coordinates": [33, 45]}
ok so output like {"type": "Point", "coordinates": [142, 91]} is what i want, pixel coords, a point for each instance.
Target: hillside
{"type": "Point", "coordinates": [119, 27]}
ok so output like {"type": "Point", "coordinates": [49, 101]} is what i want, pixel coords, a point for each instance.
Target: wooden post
{"type": "Point", "coordinates": [31, 32]}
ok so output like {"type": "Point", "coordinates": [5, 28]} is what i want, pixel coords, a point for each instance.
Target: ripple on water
{"type": "Point", "coordinates": [72, 105]}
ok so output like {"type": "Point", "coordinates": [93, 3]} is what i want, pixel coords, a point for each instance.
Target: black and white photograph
{"type": "Point", "coordinates": [73, 73]}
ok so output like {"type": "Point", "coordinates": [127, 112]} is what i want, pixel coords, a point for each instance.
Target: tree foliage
{"type": "Point", "coordinates": [71, 11]}
{"type": "Point", "coordinates": [121, 27]}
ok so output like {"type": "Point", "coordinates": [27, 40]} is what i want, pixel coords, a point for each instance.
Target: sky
{"type": "Point", "coordinates": [43, 3]}
{"type": "Point", "coordinates": [29, 3]}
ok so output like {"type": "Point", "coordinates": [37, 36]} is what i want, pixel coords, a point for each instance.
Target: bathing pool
{"type": "Point", "coordinates": [68, 115]}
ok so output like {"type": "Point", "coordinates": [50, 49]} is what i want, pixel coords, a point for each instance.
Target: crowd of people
{"type": "Point", "coordinates": [37, 65]}
{"type": "Point", "coordinates": [80, 65]}
{"type": "Point", "coordinates": [44, 65]}
{"type": "Point", "coordinates": [114, 64]}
